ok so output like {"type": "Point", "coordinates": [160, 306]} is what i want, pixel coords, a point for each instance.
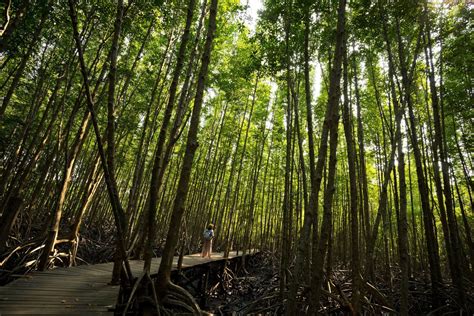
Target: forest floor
{"type": "Point", "coordinates": [254, 289]}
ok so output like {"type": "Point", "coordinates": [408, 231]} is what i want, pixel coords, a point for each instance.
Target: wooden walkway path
{"type": "Point", "coordinates": [76, 290]}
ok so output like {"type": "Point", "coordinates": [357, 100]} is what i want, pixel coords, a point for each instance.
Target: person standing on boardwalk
{"type": "Point", "coordinates": [208, 235]}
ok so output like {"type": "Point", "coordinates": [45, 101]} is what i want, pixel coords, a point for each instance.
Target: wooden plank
{"type": "Point", "coordinates": [42, 296]}
{"type": "Point", "coordinates": [54, 279]}
{"type": "Point", "coordinates": [63, 283]}
{"type": "Point", "coordinates": [103, 301]}
{"type": "Point", "coordinates": [42, 306]}
{"type": "Point", "coordinates": [45, 294]}
{"type": "Point", "coordinates": [85, 279]}
{"type": "Point", "coordinates": [52, 288]}
{"type": "Point", "coordinates": [62, 303]}
{"type": "Point", "coordinates": [61, 286]}
{"type": "Point", "coordinates": [33, 310]}
{"type": "Point", "coordinates": [98, 267]}
{"type": "Point", "coordinates": [58, 303]}
{"type": "Point", "coordinates": [39, 308]}
{"type": "Point", "coordinates": [75, 271]}
{"type": "Point", "coordinates": [63, 279]}
{"type": "Point", "coordinates": [97, 271]}
{"type": "Point", "coordinates": [59, 291]}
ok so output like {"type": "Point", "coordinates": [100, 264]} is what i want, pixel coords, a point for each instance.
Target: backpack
{"type": "Point", "coordinates": [207, 234]}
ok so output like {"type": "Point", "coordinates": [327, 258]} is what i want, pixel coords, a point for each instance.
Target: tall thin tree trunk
{"type": "Point", "coordinates": [432, 244]}
{"type": "Point", "coordinates": [119, 214]}
{"type": "Point", "coordinates": [438, 147]}
{"type": "Point", "coordinates": [25, 58]}
{"type": "Point", "coordinates": [158, 156]}
{"type": "Point", "coordinates": [362, 163]}
{"type": "Point", "coordinates": [111, 127]}
{"type": "Point", "coordinates": [402, 219]}
{"type": "Point", "coordinates": [305, 235]}
{"type": "Point", "coordinates": [286, 207]}
{"type": "Point", "coordinates": [351, 160]}
{"type": "Point", "coordinates": [330, 125]}
{"type": "Point", "coordinates": [164, 272]}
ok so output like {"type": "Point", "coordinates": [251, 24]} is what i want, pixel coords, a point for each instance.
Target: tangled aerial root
{"type": "Point", "coordinates": [144, 300]}
{"type": "Point", "coordinates": [177, 296]}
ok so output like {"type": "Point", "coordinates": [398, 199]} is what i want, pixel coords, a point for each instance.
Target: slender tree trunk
{"type": "Point", "coordinates": [287, 207]}
{"type": "Point", "coordinates": [351, 159]}
{"type": "Point", "coordinates": [163, 278]}
{"type": "Point", "coordinates": [432, 244]}
{"type": "Point", "coordinates": [92, 185]}
{"type": "Point", "coordinates": [330, 124]}
{"type": "Point", "coordinates": [467, 178]}
{"type": "Point", "coordinates": [233, 204]}
{"type": "Point", "coordinates": [305, 235]}
{"type": "Point", "coordinates": [158, 160]}
{"type": "Point", "coordinates": [362, 164]}
{"type": "Point", "coordinates": [24, 60]}
{"type": "Point", "coordinates": [112, 191]}
{"type": "Point", "coordinates": [402, 219]}
{"type": "Point", "coordinates": [111, 129]}
{"type": "Point", "coordinates": [182, 106]}
{"type": "Point", "coordinates": [11, 21]}
{"type": "Point", "coordinates": [438, 147]}
{"type": "Point", "coordinates": [11, 211]}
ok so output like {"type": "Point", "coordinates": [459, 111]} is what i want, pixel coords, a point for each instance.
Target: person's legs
{"type": "Point", "coordinates": [204, 249]}
{"type": "Point", "coordinates": [208, 248]}
{"type": "Point", "coordinates": [209, 251]}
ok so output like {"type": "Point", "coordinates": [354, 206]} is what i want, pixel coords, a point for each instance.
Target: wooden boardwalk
{"type": "Point", "coordinates": [76, 290]}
